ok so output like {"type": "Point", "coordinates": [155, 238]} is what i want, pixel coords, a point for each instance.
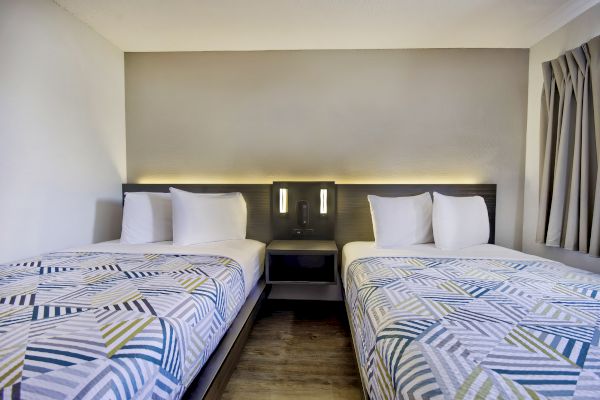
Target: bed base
{"type": "Point", "coordinates": [212, 379]}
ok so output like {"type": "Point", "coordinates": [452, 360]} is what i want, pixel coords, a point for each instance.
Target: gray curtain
{"type": "Point", "coordinates": [569, 209]}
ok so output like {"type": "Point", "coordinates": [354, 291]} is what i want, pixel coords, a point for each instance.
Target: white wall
{"type": "Point", "coordinates": [62, 131]}
{"type": "Point", "coordinates": [400, 116]}
{"type": "Point", "coordinates": [571, 35]}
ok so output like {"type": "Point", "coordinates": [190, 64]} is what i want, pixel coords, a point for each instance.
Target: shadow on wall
{"type": "Point", "coordinates": [107, 221]}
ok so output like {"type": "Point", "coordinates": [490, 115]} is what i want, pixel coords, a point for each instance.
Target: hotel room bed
{"type": "Point", "coordinates": [119, 321]}
{"type": "Point", "coordinates": [479, 323]}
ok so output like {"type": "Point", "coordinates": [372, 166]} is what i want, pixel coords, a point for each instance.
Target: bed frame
{"type": "Point", "coordinates": [353, 222]}
{"type": "Point", "coordinates": [211, 380]}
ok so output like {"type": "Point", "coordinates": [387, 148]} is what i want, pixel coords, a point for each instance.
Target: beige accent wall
{"type": "Point", "coordinates": [575, 33]}
{"type": "Point", "coordinates": [400, 116]}
{"type": "Point", "coordinates": [62, 131]}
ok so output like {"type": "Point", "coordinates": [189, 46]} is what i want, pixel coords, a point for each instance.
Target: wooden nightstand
{"type": "Point", "coordinates": [307, 262]}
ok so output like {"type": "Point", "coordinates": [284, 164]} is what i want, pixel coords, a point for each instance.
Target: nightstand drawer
{"type": "Point", "coordinates": [296, 268]}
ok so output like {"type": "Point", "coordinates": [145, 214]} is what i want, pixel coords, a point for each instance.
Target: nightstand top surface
{"type": "Point", "coordinates": [303, 245]}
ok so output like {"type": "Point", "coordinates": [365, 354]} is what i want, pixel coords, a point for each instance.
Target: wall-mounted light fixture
{"type": "Point", "coordinates": [303, 210]}
{"type": "Point", "coordinates": [323, 196]}
{"type": "Point", "coordinates": [283, 200]}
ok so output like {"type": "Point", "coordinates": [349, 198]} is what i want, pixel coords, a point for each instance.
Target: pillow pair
{"type": "Point", "coordinates": [453, 222]}
{"type": "Point", "coordinates": [184, 217]}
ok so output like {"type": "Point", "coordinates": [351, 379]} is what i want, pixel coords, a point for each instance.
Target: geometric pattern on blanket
{"type": "Point", "coordinates": [458, 328]}
{"type": "Point", "coordinates": [114, 326]}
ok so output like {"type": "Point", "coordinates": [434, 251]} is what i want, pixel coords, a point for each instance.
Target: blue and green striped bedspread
{"type": "Point", "coordinates": [114, 326]}
{"type": "Point", "coordinates": [458, 328]}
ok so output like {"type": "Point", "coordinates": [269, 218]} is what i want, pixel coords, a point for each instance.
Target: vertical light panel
{"type": "Point", "coordinates": [323, 207]}
{"type": "Point", "coordinates": [283, 200]}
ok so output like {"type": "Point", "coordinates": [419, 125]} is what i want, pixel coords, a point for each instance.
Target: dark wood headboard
{"type": "Point", "coordinates": [258, 202]}
{"type": "Point", "coordinates": [353, 221]}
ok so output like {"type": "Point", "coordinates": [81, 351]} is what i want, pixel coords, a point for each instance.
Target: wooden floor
{"type": "Point", "coordinates": [297, 350]}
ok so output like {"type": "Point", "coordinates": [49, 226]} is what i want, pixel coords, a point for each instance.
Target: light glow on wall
{"type": "Point", "coordinates": [424, 179]}
{"type": "Point", "coordinates": [199, 179]}
{"type": "Point", "coordinates": [268, 179]}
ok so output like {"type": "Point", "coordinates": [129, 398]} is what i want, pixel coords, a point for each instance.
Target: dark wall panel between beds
{"type": "Point", "coordinates": [258, 202]}
{"type": "Point", "coordinates": [353, 220]}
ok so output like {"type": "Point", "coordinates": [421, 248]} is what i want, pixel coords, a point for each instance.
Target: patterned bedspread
{"type": "Point", "coordinates": [475, 328]}
{"type": "Point", "coordinates": [114, 326]}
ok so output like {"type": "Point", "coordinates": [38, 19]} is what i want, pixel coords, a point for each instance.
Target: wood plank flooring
{"type": "Point", "coordinates": [297, 350]}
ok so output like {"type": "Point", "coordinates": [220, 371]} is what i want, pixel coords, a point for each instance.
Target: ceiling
{"type": "Point", "coordinates": [198, 25]}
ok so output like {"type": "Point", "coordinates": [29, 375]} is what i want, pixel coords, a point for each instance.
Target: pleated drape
{"type": "Point", "coordinates": [569, 203]}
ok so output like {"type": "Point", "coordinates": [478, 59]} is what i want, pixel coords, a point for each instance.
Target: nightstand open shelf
{"type": "Point", "coordinates": [305, 262]}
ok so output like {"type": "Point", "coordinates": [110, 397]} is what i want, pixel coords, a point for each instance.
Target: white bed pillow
{"type": "Point", "coordinates": [459, 222]}
{"type": "Point", "coordinates": [146, 218]}
{"type": "Point", "coordinates": [207, 217]}
{"type": "Point", "coordinates": [401, 221]}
